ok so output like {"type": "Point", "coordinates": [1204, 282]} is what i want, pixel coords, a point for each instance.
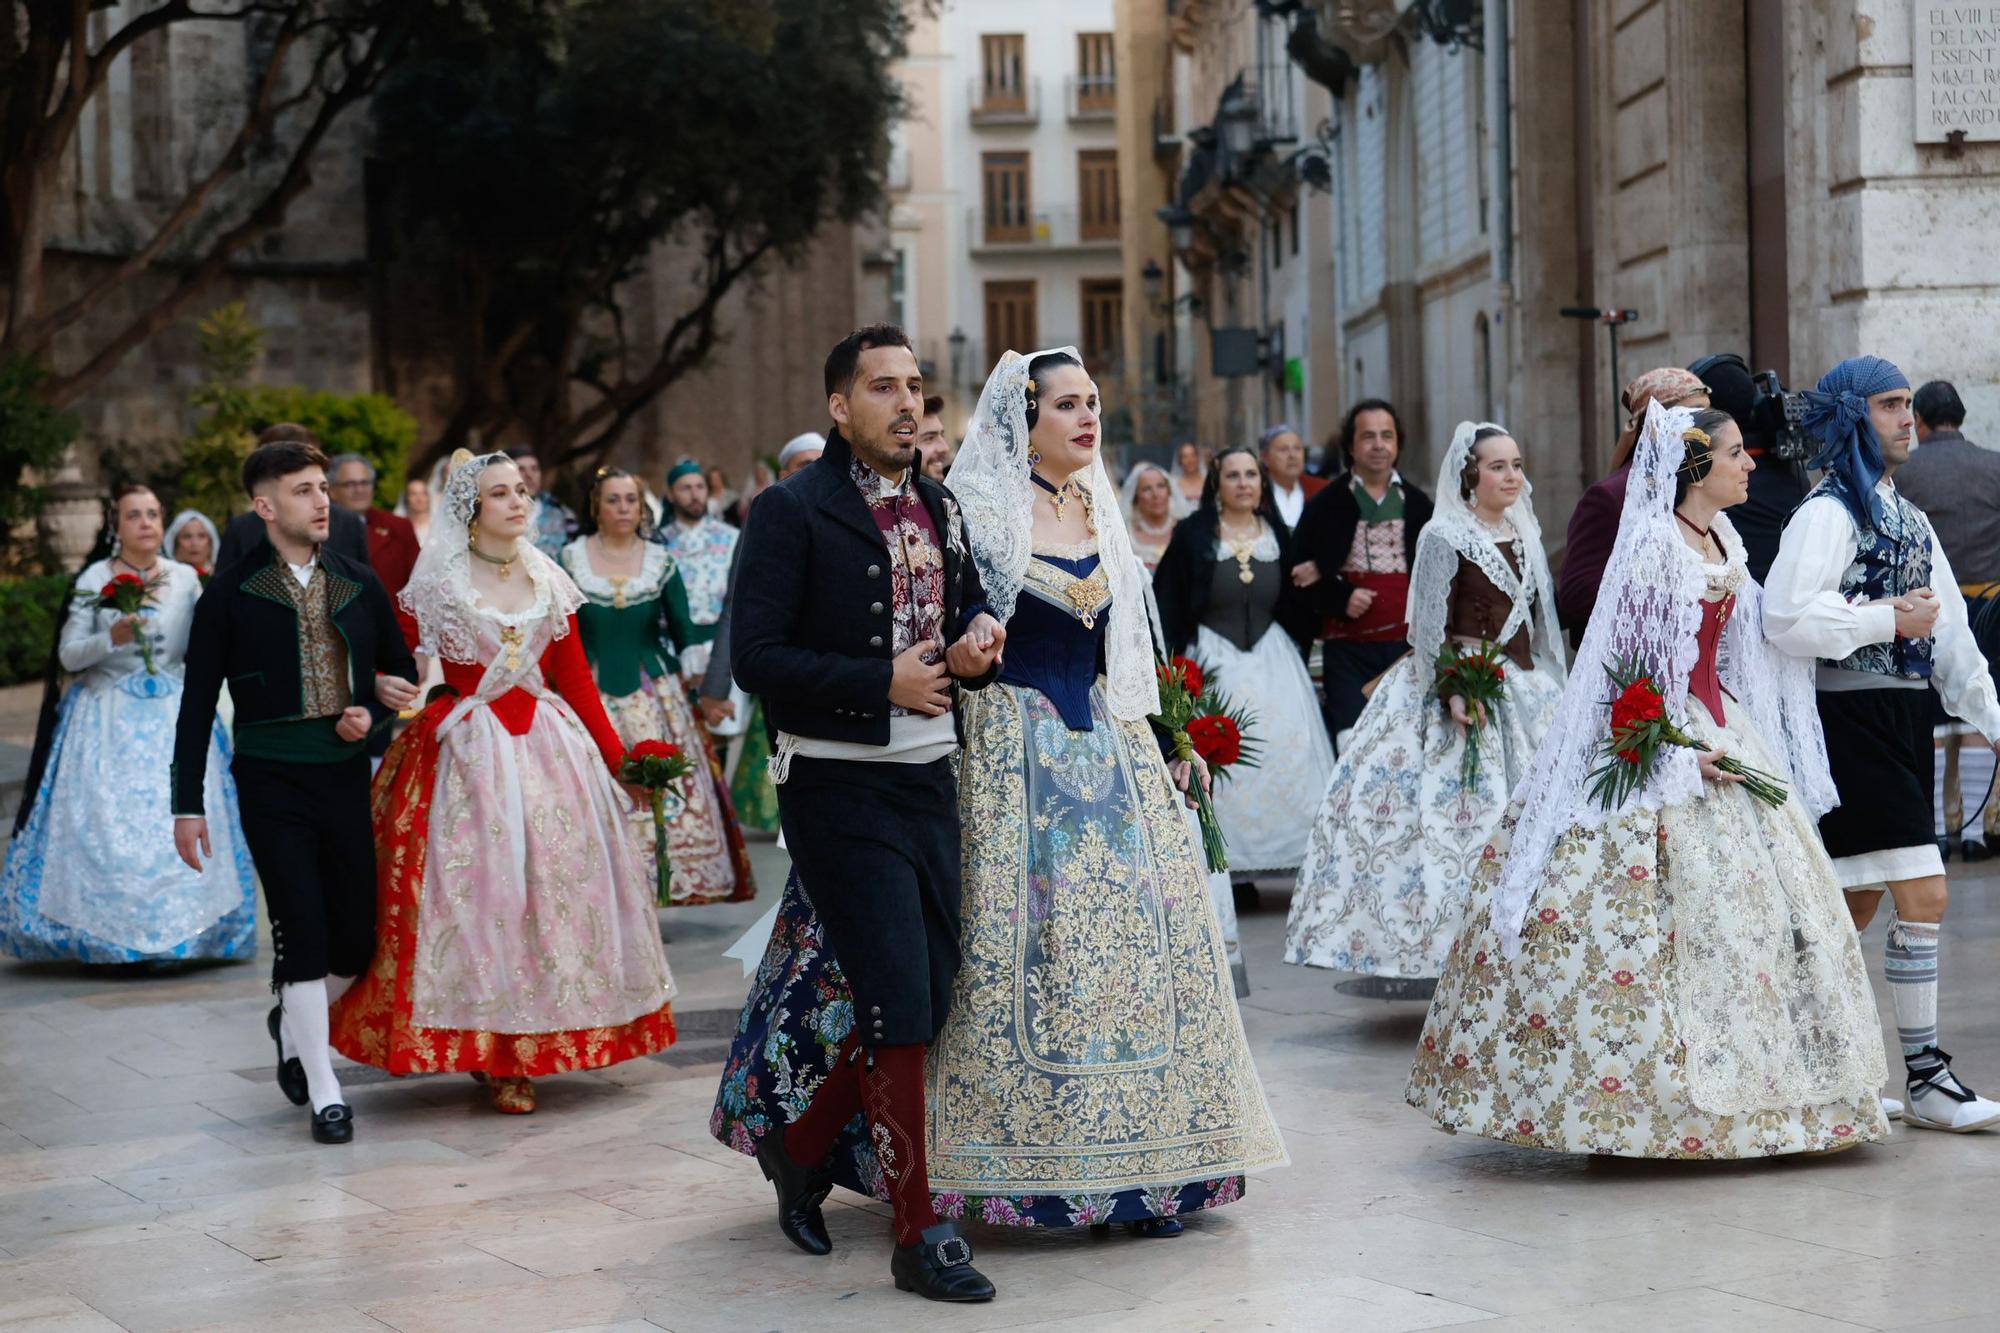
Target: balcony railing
{"type": "Point", "coordinates": [1004, 104]}
{"type": "Point", "coordinates": [1039, 229]}
{"type": "Point", "coordinates": [1091, 96]}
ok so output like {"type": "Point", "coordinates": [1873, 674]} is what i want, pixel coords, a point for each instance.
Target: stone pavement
{"type": "Point", "coordinates": [151, 1177]}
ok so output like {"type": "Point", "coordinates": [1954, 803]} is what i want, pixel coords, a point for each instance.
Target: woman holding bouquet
{"type": "Point", "coordinates": [87, 875]}
{"type": "Point", "coordinates": [1656, 961]}
{"type": "Point", "coordinates": [634, 621]}
{"type": "Point", "coordinates": [1226, 598]}
{"type": "Point", "coordinates": [1425, 774]}
{"type": "Point", "coordinates": [1093, 1067]}
{"type": "Point", "coordinates": [517, 927]}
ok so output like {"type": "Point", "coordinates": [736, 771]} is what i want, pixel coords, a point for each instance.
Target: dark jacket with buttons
{"type": "Point", "coordinates": [811, 613]}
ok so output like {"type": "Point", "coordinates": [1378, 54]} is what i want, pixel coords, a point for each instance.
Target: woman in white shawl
{"type": "Point", "coordinates": [1675, 976]}
{"type": "Point", "coordinates": [1400, 829]}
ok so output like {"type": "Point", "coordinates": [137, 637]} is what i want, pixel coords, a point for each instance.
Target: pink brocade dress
{"type": "Point", "coordinates": [516, 926]}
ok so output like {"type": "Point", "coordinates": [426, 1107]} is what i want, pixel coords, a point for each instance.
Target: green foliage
{"type": "Point", "coordinates": [33, 437]}
{"type": "Point", "coordinates": [28, 611]}
{"type": "Point", "coordinates": [234, 411]}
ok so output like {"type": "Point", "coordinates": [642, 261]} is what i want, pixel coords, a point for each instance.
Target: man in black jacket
{"type": "Point", "coordinates": [300, 634]}
{"type": "Point", "coordinates": [857, 574]}
{"type": "Point", "coordinates": [1355, 544]}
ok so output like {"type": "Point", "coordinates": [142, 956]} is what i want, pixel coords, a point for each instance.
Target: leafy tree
{"type": "Point", "coordinates": [308, 62]}
{"type": "Point", "coordinates": [33, 438]}
{"type": "Point", "coordinates": [537, 178]}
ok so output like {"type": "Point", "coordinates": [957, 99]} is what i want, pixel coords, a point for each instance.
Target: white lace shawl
{"type": "Point", "coordinates": [1454, 531]}
{"type": "Point", "coordinates": [439, 594]}
{"type": "Point", "coordinates": [1649, 610]}
{"type": "Point", "coordinates": [990, 480]}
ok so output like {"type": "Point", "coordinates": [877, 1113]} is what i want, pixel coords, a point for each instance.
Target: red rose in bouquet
{"type": "Point", "coordinates": [1639, 727]}
{"type": "Point", "coordinates": [126, 594]}
{"type": "Point", "coordinates": [1474, 674]}
{"type": "Point", "coordinates": [1217, 739]}
{"type": "Point", "coordinates": [660, 767]}
{"type": "Point", "coordinates": [1183, 673]}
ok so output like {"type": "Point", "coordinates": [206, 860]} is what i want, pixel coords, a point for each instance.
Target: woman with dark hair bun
{"type": "Point", "coordinates": [88, 876]}
{"type": "Point", "coordinates": [1226, 598]}
{"type": "Point", "coordinates": [634, 623]}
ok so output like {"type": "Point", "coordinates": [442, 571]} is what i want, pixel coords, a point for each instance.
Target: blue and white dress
{"type": "Point", "coordinates": [93, 875]}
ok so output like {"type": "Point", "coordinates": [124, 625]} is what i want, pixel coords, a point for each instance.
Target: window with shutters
{"type": "Point", "coordinates": [1010, 317]}
{"type": "Point", "coordinates": [1002, 72]}
{"type": "Point", "coordinates": [1096, 74]}
{"type": "Point", "coordinates": [1103, 301]}
{"type": "Point", "coordinates": [1097, 194]}
{"type": "Point", "coordinates": [1004, 197]}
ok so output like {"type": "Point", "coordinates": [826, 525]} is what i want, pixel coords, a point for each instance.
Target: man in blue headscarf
{"type": "Point", "coordinates": [1862, 586]}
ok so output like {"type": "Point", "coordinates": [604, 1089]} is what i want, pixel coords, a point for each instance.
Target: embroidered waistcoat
{"type": "Point", "coordinates": [1890, 559]}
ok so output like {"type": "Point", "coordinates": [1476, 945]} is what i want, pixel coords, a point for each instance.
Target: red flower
{"type": "Point", "coordinates": [1538, 1021]}
{"type": "Point", "coordinates": [1190, 673]}
{"type": "Point", "coordinates": [1842, 1131]}
{"type": "Point", "coordinates": [1547, 915]}
{"type": "Point", "coordinates": [654, 750]}
{"type": "Point", "coordinates": [1479, 958]}
{"type": "Point", "coordinates": [1525, 1127]}
{"type": "Point", "coordinates": [1216, 739]}
{"type": "Point", "coordinates": [1430, 1042]}
{"type": "Point", "coordinates": [1637, 704]}
{"type": "Point", "coordinates": [1499, 673]}
{"type": "Point", "coordinates": [110, 589]}
{"type": "Point", "coordinates": [1636, 872]}
{"type": "Point", "coordinates": [1610, 1084]}
{"type": "Point", "coordinates": [1690, 1144]}
{"type": "Point", "coordinates": [1622, 977]}
{"type": "Point", "coordinates": [1459, 1061]}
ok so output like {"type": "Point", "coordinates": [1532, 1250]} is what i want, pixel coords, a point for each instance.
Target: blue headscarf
{"type": "Point", "coordinates": [1837, 416]}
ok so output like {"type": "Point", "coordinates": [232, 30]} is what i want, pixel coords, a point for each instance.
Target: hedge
{"type": "Point", "coordinates": [28, 611]}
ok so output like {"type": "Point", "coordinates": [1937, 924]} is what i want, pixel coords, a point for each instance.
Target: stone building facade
{"type": "Point", "coordinates": [1745, 175]}
{"type": "Point", "coordinates": [338, 316]}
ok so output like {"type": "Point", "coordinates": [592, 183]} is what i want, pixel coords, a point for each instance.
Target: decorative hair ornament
{"type": "Point", "coordinates": [1700, 452]}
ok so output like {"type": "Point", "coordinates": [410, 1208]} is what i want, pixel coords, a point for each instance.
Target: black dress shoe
{"type": "Point", "coordinates": [1975, 849]}
{"type": "Point", "coordinates": [291, 1074]}
{"type": "Point", "coordinates": [801, 1190]}
{"type": "Point", "coordinates": [939, 1267]}
{"type": "Point", "coordinates": [333, 1124]}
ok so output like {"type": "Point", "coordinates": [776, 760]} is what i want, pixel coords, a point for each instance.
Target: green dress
{"type": "Point", "coordinates": [634, 630]}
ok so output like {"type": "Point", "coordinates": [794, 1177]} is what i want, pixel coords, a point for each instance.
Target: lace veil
{"type": "Point", "coordinates": [1649, 609]}
{"type": "Point", "coordinates": [1454, 531]}
{"type": "Point", "coordinates": [439, 594]}
{"type": "Point", "coordinates": [990, 480]}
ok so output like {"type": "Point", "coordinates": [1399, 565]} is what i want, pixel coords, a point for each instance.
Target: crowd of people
{"type": "Point", "coordinates": [1628, 823]}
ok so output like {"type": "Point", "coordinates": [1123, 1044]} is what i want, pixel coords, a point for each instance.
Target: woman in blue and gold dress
{"type": "Point", "coordinates": [634, 621]}
{"type": "Point", "coordinates": [1093, 1068]}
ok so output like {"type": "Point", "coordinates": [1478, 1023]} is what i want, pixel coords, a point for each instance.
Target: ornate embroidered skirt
{"type": "Point", "coordinates": [517, 931]}
{"type": "Point", "coordinates": [1398, 833]}
{"type": "Point", "coordinates": [704, 843]}
{"type": "Point", "coordinates": [1688, 984]}
{"type": "Point", "coordinates": [92, 875]}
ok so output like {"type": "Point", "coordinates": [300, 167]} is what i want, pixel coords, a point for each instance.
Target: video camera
{"type": "Point", "coordinates": [1775, 419]}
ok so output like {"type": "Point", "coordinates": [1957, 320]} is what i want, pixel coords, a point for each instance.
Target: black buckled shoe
{"type": "Point", "coordinates": [333, 1124]}
{"type": "Point", "coordinates": [291, 1074]}
{"type": "Point", "coordinates": [939, 1267]}
{"type": "Point", "coordinates": [801, 1190]}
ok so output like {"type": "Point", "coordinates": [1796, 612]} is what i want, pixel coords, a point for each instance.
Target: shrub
{"type": "Point", "coordinates": [28, 611]}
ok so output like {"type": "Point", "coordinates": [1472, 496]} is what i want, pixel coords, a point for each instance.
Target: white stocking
{"type": "Point", "coordinates": [305, 1020]}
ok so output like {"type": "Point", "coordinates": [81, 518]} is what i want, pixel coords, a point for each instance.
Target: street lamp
{"type": "Point", "coordinates": [1238, 117]}
{"type": "Point", "coordinates": [1180, 227]}
{"type": "Point", "coordinates": [1153, 280]}
{"type": "Point", "coordinates": [957, 343]}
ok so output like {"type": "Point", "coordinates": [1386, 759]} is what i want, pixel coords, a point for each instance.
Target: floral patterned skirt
{"type": "Point", "coordinates": [1093, 1067]}
{"type": "Point", "coordinates": [587, 961]}
{"type": "Point", "coordinates": [1399, 832]}
{"type": "Point", "coordinates": [705, 845]}
{"type": "Point", "coordinates": [1688, 984]}
{"type": "Point", "coordinates": [751, 788]}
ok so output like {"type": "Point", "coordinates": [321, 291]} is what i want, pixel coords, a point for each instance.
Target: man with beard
{"type": "Point", "coordinates": [863, 577]}
{"type": "Point", "coordinates": [703, 546]}
{"type": "Point", "coordinates": [1862, 585]}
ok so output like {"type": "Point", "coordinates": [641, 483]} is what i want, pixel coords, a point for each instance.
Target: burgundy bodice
{"type": "Point", "coordinates": [1705, 684]}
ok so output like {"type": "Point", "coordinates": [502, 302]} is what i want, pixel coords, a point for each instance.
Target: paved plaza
{"type": "Point", "coordinates": [152, 1177]}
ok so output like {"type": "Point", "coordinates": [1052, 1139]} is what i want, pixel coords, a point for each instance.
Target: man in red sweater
{"type": "Point", "coordinates": [392, 542]}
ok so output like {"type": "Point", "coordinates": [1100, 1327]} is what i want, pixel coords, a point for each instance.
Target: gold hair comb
{"type": "Point", "coordinates": [1696, 435]}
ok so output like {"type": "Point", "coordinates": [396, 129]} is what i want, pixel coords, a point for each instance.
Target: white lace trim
{"type": "Point", "coordinates": [655, 565]}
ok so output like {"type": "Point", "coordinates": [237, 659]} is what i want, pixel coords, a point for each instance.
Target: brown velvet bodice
{"type": "Point", "coordinates": [1479, 610]}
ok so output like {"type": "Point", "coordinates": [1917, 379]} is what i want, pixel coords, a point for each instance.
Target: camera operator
{"type": "Point", "coordinates": [1957, 485]}
{"type": "Point", "coordinates": [1778, 485]}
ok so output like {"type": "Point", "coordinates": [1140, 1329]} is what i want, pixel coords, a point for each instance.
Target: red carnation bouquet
{"type": "Point", "coordinates": [1639, 727]}
{"type": "Point", "coordinates": [126, 594]}
{"type": "Point", "coordinates": [1478, 675]}
{"type": "Point", "coordinates": [1199, 721]}
{"type": "Point", "coordinates": [659, 767]}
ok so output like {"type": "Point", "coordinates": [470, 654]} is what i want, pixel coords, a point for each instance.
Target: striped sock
{"type": "Point", "coordinates": [1912, 965]}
